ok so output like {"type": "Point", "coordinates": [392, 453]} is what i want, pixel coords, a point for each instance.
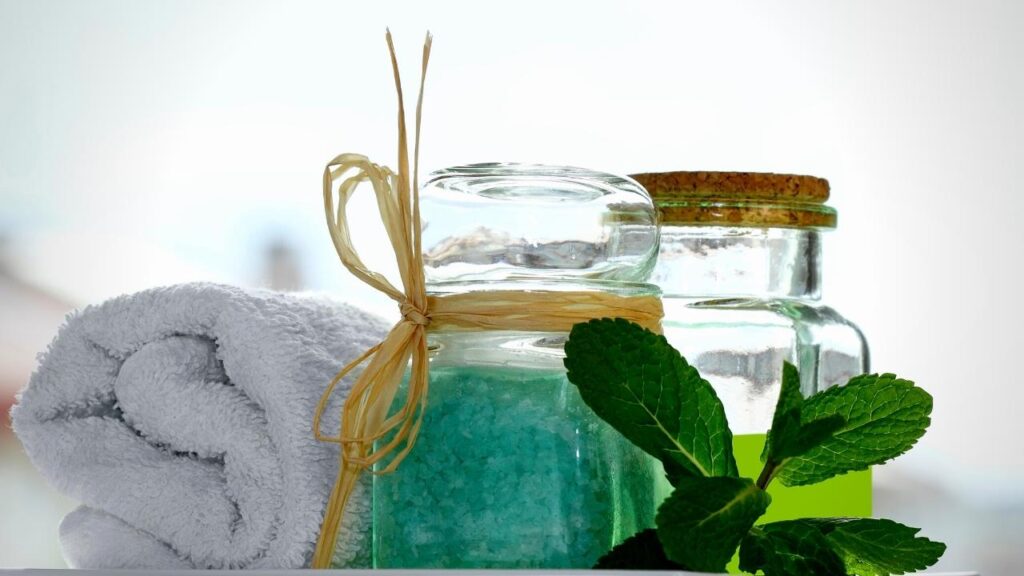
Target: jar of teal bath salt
{"type": "Point", "coordinates": [510, 468]}
{"type": "Point", "coordinates": [739, 266]}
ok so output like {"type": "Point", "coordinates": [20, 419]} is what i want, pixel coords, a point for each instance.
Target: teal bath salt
{"type": "Point", "coordinates": [510, 470]}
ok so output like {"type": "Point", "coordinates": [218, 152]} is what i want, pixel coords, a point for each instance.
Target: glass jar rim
{"type": "Point", "coordinates": [516, 169]}
{"type": "Point", "coordinates": [534, 181]}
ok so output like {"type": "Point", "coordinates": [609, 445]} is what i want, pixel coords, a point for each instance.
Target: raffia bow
{"type": "Point", "coordinates": [368, 434]}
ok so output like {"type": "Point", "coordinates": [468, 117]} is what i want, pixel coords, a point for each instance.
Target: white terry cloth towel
{"type": "Point", "coordinates": [181, 418]}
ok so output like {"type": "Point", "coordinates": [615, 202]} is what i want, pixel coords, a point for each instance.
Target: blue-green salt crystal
{"type": "Point", "coordinates": [511, 470]}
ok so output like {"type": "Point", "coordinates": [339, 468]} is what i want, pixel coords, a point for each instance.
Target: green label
{"type": "Point", "coordinates": [846, 495]}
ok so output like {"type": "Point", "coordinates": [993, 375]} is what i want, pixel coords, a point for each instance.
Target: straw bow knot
{"type": "Point", "coordinates": [413, 314]}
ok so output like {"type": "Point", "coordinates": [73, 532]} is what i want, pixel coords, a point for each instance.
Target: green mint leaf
{"type": "Point", "coordinates": [791, 436]}
{"type": "Point", "coordinates": [813, 434]}
{"type": "Point", "coordinates": [883, 415]}
{"type": "Point", "coordinates": [878, 547]}
{"type": "Point", "coordinates": [634, 380]}
{"type": "Point", "coordinates": [786, 421]}
{"type": "Point", "coordinates": [790, 548]}
{"type": "Point", "coordinates": [790, 398]}
{"type": "Point", "coordinates": [641, 551]}
{"type": "Point", "coordinates": [808, 436]}
{"type": "Point", "coordinates": [703, 521]}
{"type": "Point", "coordinates": [861, 546]}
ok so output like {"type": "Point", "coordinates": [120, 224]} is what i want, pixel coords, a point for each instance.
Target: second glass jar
{"type": "Point", "coordinates": [740, 272]}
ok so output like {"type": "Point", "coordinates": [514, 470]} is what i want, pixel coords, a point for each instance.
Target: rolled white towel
{"type": "Point", "coordinates": [181, 418]}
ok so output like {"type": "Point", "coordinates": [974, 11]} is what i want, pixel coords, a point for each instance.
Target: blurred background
{"type": "Point", "coordinates": [145, 143]}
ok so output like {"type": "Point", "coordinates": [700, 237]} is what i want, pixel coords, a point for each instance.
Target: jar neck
{"type": "Point", "coordinates": [732, 262]}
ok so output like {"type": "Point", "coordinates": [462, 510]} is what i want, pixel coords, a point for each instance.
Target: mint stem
{"type": "Point", "coordinates": [766, 474]}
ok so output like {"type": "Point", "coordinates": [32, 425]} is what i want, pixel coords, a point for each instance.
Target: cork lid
{"type": "Point", "coordinates": [752, 199]}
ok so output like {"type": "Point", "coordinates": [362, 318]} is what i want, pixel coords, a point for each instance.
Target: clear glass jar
{"type": "Point", "coordinates": [511, 469]}
{"type": "Point", "coordinates": [740, 272]}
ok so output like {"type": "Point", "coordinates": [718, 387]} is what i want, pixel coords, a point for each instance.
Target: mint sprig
{"type": "Point", "coordinates": [634, 380]}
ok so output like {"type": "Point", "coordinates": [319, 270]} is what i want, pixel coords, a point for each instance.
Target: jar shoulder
{"type": "Point", "coordinates": [782, 312]}
{"type": "Point", "coordinates": [741, 337]}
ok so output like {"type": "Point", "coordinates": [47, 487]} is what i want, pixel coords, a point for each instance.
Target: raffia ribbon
{"type": "Point", "coordinates": [365, 419]}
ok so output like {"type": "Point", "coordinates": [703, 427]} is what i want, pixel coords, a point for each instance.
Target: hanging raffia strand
{"type": "Point", "coordinates": [372, 438]}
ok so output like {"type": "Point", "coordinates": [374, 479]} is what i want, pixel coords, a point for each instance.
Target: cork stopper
{"type": "Point", "coordinates": [752, 199]}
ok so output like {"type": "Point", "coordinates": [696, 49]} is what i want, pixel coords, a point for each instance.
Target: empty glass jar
{"type": "Point", "coordinates": [511, 469]}
{"type": "Point", "coordinates": [740, 272]}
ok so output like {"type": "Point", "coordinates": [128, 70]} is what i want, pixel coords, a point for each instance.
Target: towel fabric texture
{"type": "Point", "coordinates": [181, 419]}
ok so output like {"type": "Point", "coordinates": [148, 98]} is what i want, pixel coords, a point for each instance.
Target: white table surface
{"type": "Point", "coordinates": [65, 572]}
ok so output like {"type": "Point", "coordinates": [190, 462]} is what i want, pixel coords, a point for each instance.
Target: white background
{"type": "Point", "coordinates": [145, 143]}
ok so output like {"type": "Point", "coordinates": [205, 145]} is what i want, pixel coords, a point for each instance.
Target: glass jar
{"type": "Point", "coordinates": [511, 469]}
{"type": "Point", "coordinates": [740, 271]}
